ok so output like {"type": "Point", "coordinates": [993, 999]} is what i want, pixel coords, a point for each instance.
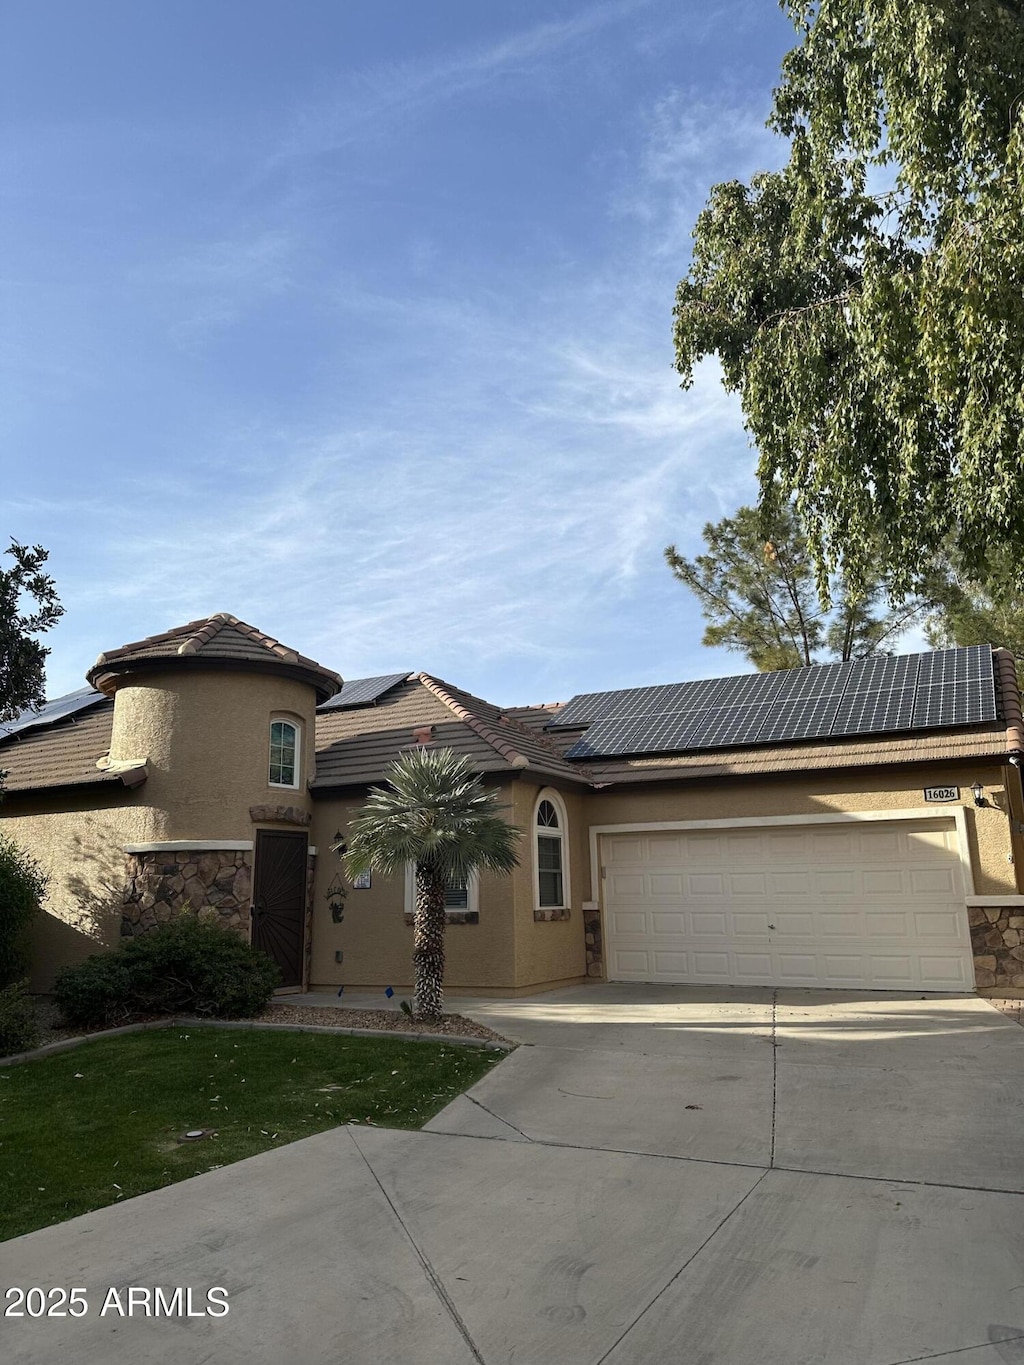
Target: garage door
{"type": "Point", "coordinates": [872, 904]}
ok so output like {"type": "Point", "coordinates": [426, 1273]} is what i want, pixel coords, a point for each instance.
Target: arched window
{"type": "Point", "coordinates": [284, 754]}
{"type": "Point", "coordinates": [551, 859]}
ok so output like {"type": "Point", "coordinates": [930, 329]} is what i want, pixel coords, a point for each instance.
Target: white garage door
{"type": "Point", "coordinates": [872, 904]}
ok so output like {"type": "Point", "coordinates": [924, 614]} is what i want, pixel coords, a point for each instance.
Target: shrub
{"type": "Point", "coordinates": [19, 1028]}
{"type": "Point", "coordinates": [96, 991]}
{"type": "Point", "coordinates": [186, 966]}
{"type": "Point", "coordinates": [22, 887]}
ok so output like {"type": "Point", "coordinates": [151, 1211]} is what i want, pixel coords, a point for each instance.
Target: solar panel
{"type": "Point", "coordinates": [825, 680]}
{"type": "Point", "coordinates": [868, 696]}
{"type": "Point", "coordinates": [801, 718]}
{"type": "Point", "coordinates": [883, 674]}
{"type": "Point", "coordinates": [666, 698]}
{"type": "Point", "coordinates": [958, 702]}
{"type": "Point", "coordinates": [52, 711]}
{"type": "Point", "coordinates": [728, 725]}
{"type": "Point", "coordinates": [875, 712]}
{"type": "Point", "coordinates": [955, 665]}
{"type": "Point", "coordinates": [629, 702]}
{"type": "Point", "coordinates": [363, 691]}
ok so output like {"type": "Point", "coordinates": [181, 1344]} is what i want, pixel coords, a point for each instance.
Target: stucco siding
{"type": "Point", "coordinates": [374, 937]}
{"type": "Point", "coordinates": [205, 736]}
{"type": "Point", "coordinates": [78, 838]}
{"type": "Point", "coordinates": [549, 951]}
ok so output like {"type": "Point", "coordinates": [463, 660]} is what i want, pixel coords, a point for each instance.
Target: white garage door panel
{"type": "Point", "coordinates": [874, 904]}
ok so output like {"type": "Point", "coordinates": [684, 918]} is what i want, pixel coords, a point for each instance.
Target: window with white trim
{"type": "Point", "coordinates": [550, 862]}
{"type": "Point", "coordinates": [460, 894]}
{"type": "Point", "coordinates": [284, 754]}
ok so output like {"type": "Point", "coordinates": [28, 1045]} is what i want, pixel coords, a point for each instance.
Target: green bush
{"type": "Point", "coordinates": [22, 887]}
{"type": "Point", "coordinates": [19, 1028]}
{"type": "Point", "coordinates": [96, 991]}
{"type": "Point", "coordinates": [186, 966]}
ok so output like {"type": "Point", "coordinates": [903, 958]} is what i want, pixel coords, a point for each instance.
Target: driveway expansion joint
{"type": "Point", "coordinates": [686, 1264]}
{"type": "Point", "coordinates": [508, 1123]}
{"type": "Point", "coordinates": [775, 1071]}
{"type": "Point", "coordinates": [424, 1260]}
{"type": "Point", "coordinates": [957, 1351]}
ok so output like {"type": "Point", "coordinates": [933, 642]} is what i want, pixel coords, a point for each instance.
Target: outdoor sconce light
{"type": "Point", "coordinates": [978, 792]}
{"type": "Point", "coordinates": [338, 844]}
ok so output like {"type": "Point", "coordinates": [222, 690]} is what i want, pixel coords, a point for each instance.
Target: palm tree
{"type": "Point", "coordinates": [436, 813]}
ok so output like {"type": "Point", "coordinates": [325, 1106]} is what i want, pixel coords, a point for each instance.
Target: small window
{"type": "Point", "coordinates": [550, 859]}
{"type": "Point", "coordinates": [459, 894]}
{"type": "Point", "coordinates": [456, 894]}
{"type": "Point", "coordinates": [284, 754]}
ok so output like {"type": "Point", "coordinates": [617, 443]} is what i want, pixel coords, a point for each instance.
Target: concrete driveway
{"type": "Point", "coordinates": [659, 1174]}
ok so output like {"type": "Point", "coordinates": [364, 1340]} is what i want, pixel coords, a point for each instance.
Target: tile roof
{"type": "Point", "coordinates": [221, 639]}
{"type": "Point", "coordinates": [354, 747]}
{"type": "Point", "coordinates": [65, 754]}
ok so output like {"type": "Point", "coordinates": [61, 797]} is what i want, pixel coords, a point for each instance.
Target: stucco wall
{"type": "Point", "coordinates": [206, 737]}
{"type": "Point", "coordinates": [550, 950]}
{"type": "Point", "coordinates": [79, 839]}
{"type": "Point", "coordinates": [376, 941]}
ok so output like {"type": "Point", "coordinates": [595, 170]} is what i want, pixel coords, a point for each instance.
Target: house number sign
{"type": "Point", "coordinates": [942, 793]}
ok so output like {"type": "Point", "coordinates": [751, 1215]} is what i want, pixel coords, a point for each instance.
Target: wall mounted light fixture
{"type": "Point", "coordinates": [978, 792]}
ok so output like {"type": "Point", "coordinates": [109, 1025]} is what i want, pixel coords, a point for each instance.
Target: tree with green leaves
{"type": "Point", "coordinates": [436, 814]}
{"type": "Point", "coordinates": [976, 611]}
{"type": "Point", "coordinates": [23, 658]}
{"type": "Point", "coordinates": [867, 301]}
{"type": "Point", "coordinates": [760, 597]}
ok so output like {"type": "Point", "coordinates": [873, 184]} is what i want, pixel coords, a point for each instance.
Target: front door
{"type": "Point", "coordinates": [279, 900]}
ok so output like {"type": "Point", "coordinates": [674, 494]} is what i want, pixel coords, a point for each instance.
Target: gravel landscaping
{"type": "Point", "coordinates": [341, 1016]}
{"type": "Point", "coordinates": [51, 1030]}
{"type": "Point", "coordinates": [1013, 1009]}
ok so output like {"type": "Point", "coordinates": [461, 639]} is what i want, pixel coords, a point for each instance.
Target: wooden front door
{"type": "Point", "coordinates": [279, 900]}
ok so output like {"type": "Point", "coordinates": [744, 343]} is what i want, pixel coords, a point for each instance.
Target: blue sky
{"type": "Point", "coordinates": [355, 320]}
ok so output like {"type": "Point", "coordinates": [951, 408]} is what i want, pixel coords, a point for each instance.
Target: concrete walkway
{"type": "Point", "coordinates": [660, 1174]}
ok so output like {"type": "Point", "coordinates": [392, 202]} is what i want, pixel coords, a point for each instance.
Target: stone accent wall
{"type": "Point", "coordinates": [997, 940]}
{"type": "Point", "coordinates": [592, 938]}
{"type": "Point", "coordinates": [159, 884]}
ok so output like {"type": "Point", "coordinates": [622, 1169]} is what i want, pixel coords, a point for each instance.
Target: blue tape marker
{"type": "Point", "coordinates": [388, 992]}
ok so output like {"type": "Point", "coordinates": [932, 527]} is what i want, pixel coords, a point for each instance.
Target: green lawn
{"type": "Point", "coordinates": [100, 1123]}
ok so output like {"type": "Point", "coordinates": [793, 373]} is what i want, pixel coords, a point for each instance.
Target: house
{"type": "Point", "coordinates": [852, 826]}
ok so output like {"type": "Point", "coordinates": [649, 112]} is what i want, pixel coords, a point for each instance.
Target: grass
{"type": "Point", "coordinates": [100, 1123]}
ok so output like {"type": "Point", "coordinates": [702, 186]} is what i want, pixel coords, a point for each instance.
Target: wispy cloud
{"type": "Point", "coordinates": [212, 285]}
{"type": "Point", "coordinates": [370, 103]}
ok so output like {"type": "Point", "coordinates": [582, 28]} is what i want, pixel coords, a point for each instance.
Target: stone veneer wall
{"type": "Point", "coordinates": [592, 938]}
{"type": "Point", "coordinates": [159, 884]}
{"type": "Point", "coordinates": [997, 940]}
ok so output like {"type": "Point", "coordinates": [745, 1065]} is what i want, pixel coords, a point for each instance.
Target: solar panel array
{"type": "Point", "coordinates": [50, 712]}
{"type": "Point", "coordinates": [363, 691]}
{"type": "Point", "coordinates": [865, 696]}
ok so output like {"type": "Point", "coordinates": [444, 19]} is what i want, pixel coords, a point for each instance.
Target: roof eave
{"type": "Point", "coordinates": [127, 777]}
{"type": "Point", "coordinates": [104, 675]}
